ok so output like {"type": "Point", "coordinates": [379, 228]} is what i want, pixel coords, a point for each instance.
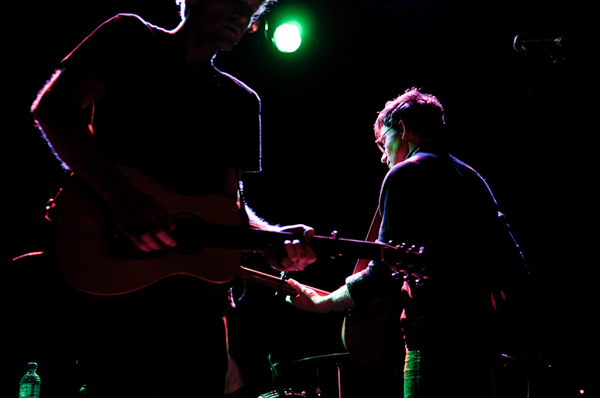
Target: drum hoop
{"type": "Point", "coordinates": [287, 393]}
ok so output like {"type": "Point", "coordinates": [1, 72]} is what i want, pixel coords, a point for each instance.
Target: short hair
{"type": "Point", "coordinates": [265, 4]}
{"type": "Point", "coordinates": [423, 114]}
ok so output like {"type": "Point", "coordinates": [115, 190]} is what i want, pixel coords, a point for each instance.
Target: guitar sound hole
{"type": "Point", "coordinates": [189, 232]}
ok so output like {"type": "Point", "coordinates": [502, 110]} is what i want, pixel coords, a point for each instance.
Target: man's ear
{"type": "Point", "coordinates": [404, 131]}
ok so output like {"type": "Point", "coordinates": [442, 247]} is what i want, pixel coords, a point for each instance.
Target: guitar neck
{"type": "Point", "coordinates": [259, 240]}
{"type": "Point", "coordinates": [271, 282]}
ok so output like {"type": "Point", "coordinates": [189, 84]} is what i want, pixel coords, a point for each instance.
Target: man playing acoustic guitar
{"type": "Point", "coordinates": [431, 199]}
{"type": "Point", "coordinates": [133, 96]}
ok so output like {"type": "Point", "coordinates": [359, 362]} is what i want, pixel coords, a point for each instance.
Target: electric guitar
{"type": "Point", "coordinates": [94, 257]}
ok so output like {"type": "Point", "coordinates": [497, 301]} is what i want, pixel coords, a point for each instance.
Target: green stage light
{"type": "Point", "coordinates": [287, 37]}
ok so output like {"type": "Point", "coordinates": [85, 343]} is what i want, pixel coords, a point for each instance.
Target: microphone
{"type": "Point", "coordinates": [523, 43]}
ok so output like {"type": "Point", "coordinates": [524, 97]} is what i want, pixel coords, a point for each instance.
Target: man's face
{"type": "Point", "coordinates": [224, 22]}
{"type": "Point", "coordinates": [389, 143]}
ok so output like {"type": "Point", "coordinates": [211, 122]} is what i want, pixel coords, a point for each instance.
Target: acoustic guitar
{"type": "Point", "coordinates": [372, 334]}
{"type": "Point", "coordinates": [95, 258]}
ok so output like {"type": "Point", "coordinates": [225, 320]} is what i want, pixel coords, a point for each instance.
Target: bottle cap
{"type": "Point", "coordinates": [32, 365]}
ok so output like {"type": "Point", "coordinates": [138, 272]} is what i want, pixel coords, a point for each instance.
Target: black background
{"type": "Point", "coordinates": [522, 120]}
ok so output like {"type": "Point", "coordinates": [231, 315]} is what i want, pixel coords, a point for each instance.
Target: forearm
{"type": "Point", "coordinates": [257, 222]}
{"type": "Point", "coordinates": [309, 300]}
{"type": "Point", "coordinates": [338, 300]}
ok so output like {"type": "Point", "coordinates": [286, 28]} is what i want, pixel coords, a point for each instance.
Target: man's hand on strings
{"type": "Point", "coordinates": [313, 300]}
{"type": "Point", "coordinates": [298, 251]}
{"type": "Point", "coordinates": [306, 299]}
{"type": "Point", "coordinates": [142, 220]}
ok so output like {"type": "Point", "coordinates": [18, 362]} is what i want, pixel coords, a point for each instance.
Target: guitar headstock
{"type": "Point", "coordinates": [407, 262]}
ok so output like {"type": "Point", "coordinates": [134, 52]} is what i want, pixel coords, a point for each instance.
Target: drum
{"type": "Point", "coordinates": [283, 393]}
{"type": "Point", "coordinates": [340, 375]}
{"type": "Point", "coordinates": [320, 375]}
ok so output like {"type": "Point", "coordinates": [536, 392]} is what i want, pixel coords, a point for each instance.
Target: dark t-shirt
{"type": "Point", "coordinates": [436, 201]}
{"type": "Point", "coordinates": [159, 116]}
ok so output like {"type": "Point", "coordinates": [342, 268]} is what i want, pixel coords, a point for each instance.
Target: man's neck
{"type": "Point", "coordinates": [414, 141]}
{"type": "Point", "coordinates": [196, 53]}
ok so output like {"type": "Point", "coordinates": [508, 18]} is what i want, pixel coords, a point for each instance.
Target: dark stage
{"type": "Point", "coordinates": [521, 119]}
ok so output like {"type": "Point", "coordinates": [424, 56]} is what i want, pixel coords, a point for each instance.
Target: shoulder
{"type": "Point", "coordinates": [405, 168]}
{"type": "Point", "coordinates": [131, 30]}
{"type": "Point", "coordinates": [129, 21]}
{"type": "Point", "coordinates": [123, 30]}
{"type": "Point", "coordinates": [124, 40]}
{"type": "Point", "coordinates": [411, 174]}
{"type": "Point", "coordinates": [468, 172]}
{"type": "Point", "coordinates": [398, 179]}
{"type": "Point", "coordinates": [236, 83]}
{"type": "Point", "coordinates": [116, 32]}
{"type": "Point", "coordinates": [462, 165]}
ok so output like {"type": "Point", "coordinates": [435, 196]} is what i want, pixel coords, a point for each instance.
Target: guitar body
{"type": "Point", "coordinates": [93, 258]}
{"type": "Point", "coordinates": [372, 334]}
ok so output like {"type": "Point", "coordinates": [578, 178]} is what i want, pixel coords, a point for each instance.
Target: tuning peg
{"type": "Point", "coordinates": [398, 275]}
{"type": "Point", "coordinates": [400, 246]}
{"type": "Point", "coordinates": [334, 235]}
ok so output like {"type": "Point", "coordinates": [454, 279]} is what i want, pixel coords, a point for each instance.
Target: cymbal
{"type": "Point", "coordinates": [335, 356]}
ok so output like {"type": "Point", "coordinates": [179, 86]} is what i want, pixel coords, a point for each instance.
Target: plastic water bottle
{"type": "Point", "coordinates": [30, 383]}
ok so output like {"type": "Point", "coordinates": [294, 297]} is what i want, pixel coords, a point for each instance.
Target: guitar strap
{"type": "Point", "coordinates": [362, 263]}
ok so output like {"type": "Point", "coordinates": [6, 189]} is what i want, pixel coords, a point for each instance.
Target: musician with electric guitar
{"type": "Point", "coordinates": [446, 310]}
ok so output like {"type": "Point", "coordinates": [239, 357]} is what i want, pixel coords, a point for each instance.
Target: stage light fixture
{"type": "Point", "coordinates": [290, 27]}
{"type": "Point", "coordinates": [287, 37]}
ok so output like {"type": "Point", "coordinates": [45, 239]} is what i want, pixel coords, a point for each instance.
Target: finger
{"type": "Point", "coordinates": [304, 255]}
{"type": "Point", "coordinates": [140, 244]}
{"type": "Point", "coordinates": [166, 239]}
{"type": "Point", "coordinates": [294, 250]}
{"type": "Point", "coordinates": [311, 256]}
{"type": "Point", "coordinates": [287, 244]}
{"type": "Point", "coordinates": [309, 233]}
{"type": "Point", "coordinates": [295, 285]}
{"type": "Point", "coordinates": [284, 265]}
{"type": "Point", "coordinates": [303, 251]}
{"type": "Point", "coordinates": [149, 242]}
{"type": "Point", "coordinates": [290, 263]}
